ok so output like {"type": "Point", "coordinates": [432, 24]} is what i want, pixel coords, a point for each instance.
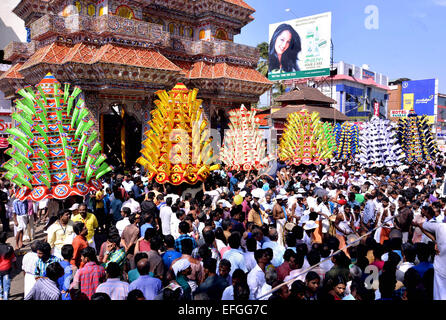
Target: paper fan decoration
{"type": "Point", "coordinates": [379, 144]}
{"type": "Point", "coordinates": [244, 147]}
{"type": "Point", "coordinates": [347, 135]}
{"type": "Point", "coordinates": [416, 139]}
{"type": "Point", "coordinates": [55, 153]}
{"type": "Point", "coordinates": [303, 140]}
{"type": "Point", "coordinates": [330, 136]}
{"type": "Point", "coordinates": [178, 145]}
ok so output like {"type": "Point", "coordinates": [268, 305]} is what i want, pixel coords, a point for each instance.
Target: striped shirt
{"type": "Point", "coordinates": [115, 288]}
{"type": "Point", "coordinates": [89, 277]}
{"type": "Point", "coordinates": [117, 256]}
{"type": "Point", "coordinates": [44, 289]}
{"type": "Point", "coordinates": [29, 262]}
{"type": "Point", "coordinates": [41, 265]}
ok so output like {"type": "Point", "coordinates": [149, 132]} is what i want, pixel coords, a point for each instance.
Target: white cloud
{"type": "Point", "coordinates": [440, 3]}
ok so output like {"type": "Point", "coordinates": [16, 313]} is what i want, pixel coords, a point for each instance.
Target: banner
{"type": "Point", "coordinates": [421, 96]}
{"type": "Point", "coordinates": [300, 48]}
{"type": "Point", "coordinates": [399, 113]}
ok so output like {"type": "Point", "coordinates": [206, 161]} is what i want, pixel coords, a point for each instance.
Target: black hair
{"type": "Point", "coordinates": [155, 243]}
{"type": "Point", "coordinates": [149, 233]}
{"type": "Point", "coordinates": [44, 247]}
{"type": "Point", "coordinates": [126, 210]}
{"type": "Point", "coordinates": [100, 296]}
{"type": "Point", "coordinates": [208, 236]}
{"type": "Point", "coordinates": [313, 257]}
{"type": "Point", "coordinates": [251, 244]}
{"type": "Point", "coordinates": [54, 271]}
{"type": "Point", "coordinates": [311, 275]}
{"type": "Point", "coordinates": [258, 254]}
{"type": "Point", "coordinates": [114, 238]}
{"type": "Point", "coordinates": [78, 227]}
{"type": "Point", "coordinates": [135, 294]}
{"type": "Point", "coordinates": [184, 227]}
{"type": "Point", "coordinates": [169, 201]}
{"type": "Point", "coordinates": [89, 253]}
{"type": "Point", "coordinates": [139, 256]}
{"type": "Point", "coordinates": [113, 270]}
{"type": "Point", "coordinates": [169, 241]}
{"type": "Point", "coordinates": [234, 240]}
{"type": "Point", "coordinates": [186, 246]}
{"type": "Point", "coordinates": [210, 264]}
{"type": "Point", "coordinates": [67, 251]}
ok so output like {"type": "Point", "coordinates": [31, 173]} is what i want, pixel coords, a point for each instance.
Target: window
{"type": "Point", "coordinates": [171, 28]}
{"type": "Point", "coordinates": [202, 34]}
{"type": "Point", "coordinates": [221, 34]}
{"type": "Point", "coordinates": [125, 12]}
{"type": "Point", "coordinates": [191, 33]}
{"type": "Point", "coordinates": [181, 31]}
{"type": "Point", "coordinates": [91, 10]}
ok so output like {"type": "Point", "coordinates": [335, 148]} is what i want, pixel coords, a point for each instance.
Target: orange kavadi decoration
{"type": "Point", "coordinates": [304, 140]}
{"type": "Point", "coordinates": [244, 147]}
{"type": "Point", "coordinates": [178, 145]}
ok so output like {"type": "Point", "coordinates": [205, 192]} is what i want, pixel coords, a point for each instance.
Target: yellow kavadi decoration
{"type": "Point", "coordinates": [304, 141]}
{"type": "Point", "coordinates": [178, 145]}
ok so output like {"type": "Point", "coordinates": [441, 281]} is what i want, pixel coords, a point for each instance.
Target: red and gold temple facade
{"type": "Point", "coordinates": [120, 52]}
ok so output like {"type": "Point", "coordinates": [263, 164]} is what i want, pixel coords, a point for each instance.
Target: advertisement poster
{"type": "Point", "coordinates": [421, 96]}
{"type": "Point", "coordinates": [300, 48]}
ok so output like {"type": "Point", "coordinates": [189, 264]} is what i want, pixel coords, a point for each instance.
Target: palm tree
{"type": "Point", "coordinates": [262, 65]}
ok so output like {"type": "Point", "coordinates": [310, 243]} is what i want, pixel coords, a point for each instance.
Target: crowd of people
{"type": "Point", "coordinates": [331, 232]}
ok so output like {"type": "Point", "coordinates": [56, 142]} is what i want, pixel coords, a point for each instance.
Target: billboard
{"type": "Point", "coordinates": [300, 48]}
{"type": "Point", "coordinates": [420, 96]}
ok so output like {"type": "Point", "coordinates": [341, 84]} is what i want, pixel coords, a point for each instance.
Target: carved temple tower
{"type": "Point", "coordinates": [121, 51]}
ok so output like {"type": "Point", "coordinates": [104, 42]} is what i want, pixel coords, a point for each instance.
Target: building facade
{"type": "Point", "coordinates": [357, 90]}
{"type": "Point", "coordinates": [120, 52]}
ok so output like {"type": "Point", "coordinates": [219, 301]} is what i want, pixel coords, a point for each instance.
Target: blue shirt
{"type": "Point", "coordinates": [65, 281]}
{"type": "Point", "coordinates": [369, 212]}
{"type": "Point", "coordinates": [20, 207]}
{"type": "Point", "coordinates": [169, 256]}
{"type": "Point", "coordinates": [115, 206]}
{"type": "Point", "coordinates": [232, 183]}
{"type": "Point", "coordinates": [178, 246]}
{"type": "Point", "coordinates": [149, 286]}
{"type": "Point", "coordinates": [144, 227]}
{"type": "Point", "coordinates": [422, 267]}
{"type": "Point", "coordinates": [106, 203]}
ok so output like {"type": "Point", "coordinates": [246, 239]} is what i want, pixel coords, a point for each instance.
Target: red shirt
{"type": "Point", "coordinates": [144, 245]}
{"type": "Point", "coordinates": [90, 277]}
{"type": "Point", "coordinates": [283, 270]}
{"type": "Point", "coordinates": [78, 244]}
{"type": "Point", "coordinates": [6, 263]}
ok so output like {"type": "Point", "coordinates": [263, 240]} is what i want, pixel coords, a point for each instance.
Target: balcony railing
{"type": "Point", "coordinates": [115, 26]}
{"type": "Point", "coordinates": [15, 50]}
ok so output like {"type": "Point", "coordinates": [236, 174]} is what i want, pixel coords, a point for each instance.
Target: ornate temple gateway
{"type": "Point", "coordinates": [120, 52]}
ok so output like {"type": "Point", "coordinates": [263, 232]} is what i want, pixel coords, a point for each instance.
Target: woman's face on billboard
{"type": "Point", "coordinates": [283, 42]}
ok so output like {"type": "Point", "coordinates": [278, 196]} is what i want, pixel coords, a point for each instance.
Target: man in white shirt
{"type": "Point", "coordinates": [278, 249]}
{"type": "Point", "coordinates": [121, 224]}
{"type": "Point", "coordinates": [127, 184]}
{"type": "Point", "coordinates": [175, 220]}
{"type": "Point", "coordinates": [256, 277]}
{"type": "Point", "coordinates": [439, 230]}
{"type": "Point", "coordinates": [409, 254]}
{"type": "Point", "coordinates": [165, 216]}
{"type": "Point", "coordinates": [235, 255]}
{"type": "Point", "coordinates": [250, 261]}
{"type": "Point", "coordinates": [131, 203]}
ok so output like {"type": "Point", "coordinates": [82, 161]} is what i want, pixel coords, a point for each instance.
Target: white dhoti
{"type": "Point", "coordinates": [29, 282]}
{"type": "Point", "coordinates": [92, 244]}
{"type": "Point", "coordinates": [439, 286]}
{"type": "Point", "coordinates": [280, 230]}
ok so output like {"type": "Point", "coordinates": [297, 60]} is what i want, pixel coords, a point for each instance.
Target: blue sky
{"type": "Point", "coordinates": [410, 41]}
